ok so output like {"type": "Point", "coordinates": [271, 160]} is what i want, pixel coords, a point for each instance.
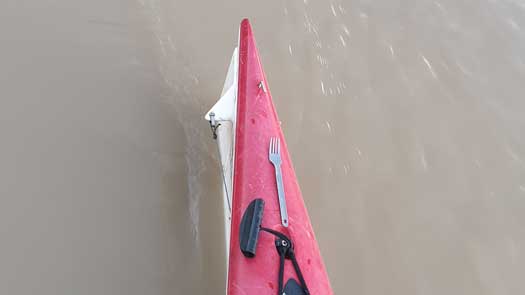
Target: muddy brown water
{"type": "Point", "coordinates": [405, 121]}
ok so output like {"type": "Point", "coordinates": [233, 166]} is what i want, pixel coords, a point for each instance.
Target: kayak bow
{"type": "Point", "coordinates": [243, 121]}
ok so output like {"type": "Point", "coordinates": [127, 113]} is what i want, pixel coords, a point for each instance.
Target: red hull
{"type": "Point", "coordinates": [254, 177]}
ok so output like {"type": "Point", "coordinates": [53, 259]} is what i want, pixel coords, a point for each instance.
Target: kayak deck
{"type": "Point", "coordinates": [254, 177]}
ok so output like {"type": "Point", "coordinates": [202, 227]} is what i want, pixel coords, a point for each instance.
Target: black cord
{"type": "Point", "coordinates": [298, 271]}
{"type": "Point", "coordinates": [285, 249]}
{"type": "Point", "coordinates": [280, 279]}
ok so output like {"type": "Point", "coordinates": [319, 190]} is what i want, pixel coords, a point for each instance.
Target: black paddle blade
{"type": "Point", "coordinates": [250, 227]}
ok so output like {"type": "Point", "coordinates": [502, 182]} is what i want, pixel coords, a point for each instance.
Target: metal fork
{"type": "Point", "coordinates": [275, 158]}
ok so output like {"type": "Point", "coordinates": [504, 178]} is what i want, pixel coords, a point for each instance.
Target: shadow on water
{"type": "Point", "coordinates": [197, 200]}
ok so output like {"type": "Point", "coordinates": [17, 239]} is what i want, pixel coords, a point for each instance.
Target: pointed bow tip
{"type": "Point", "coordinates": [246, 25]}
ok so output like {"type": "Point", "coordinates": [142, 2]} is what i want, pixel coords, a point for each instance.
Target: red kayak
{"type": "Point", "coordinates": [272, 246]}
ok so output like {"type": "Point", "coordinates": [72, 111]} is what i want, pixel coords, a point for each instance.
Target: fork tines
{"type": "Point", "coordinates": [275, 145]}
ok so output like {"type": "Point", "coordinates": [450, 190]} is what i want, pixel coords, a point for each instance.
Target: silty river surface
{"type": "Point", "coordinates": [405, 121]}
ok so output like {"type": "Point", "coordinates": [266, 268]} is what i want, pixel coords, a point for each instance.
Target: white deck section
{"type": "Point", "coordinates": [225, 111]}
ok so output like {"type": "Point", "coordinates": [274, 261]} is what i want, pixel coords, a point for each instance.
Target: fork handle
{"type": "Point", "coordinates": [280, 194]}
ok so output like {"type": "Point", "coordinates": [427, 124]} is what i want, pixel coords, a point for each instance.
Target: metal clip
{"type": "Point", "coordinates": [213, 125]}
